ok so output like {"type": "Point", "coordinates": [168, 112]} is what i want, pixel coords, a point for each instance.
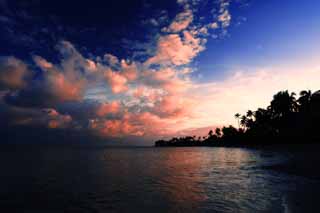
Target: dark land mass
{"type": "Point", "coordinates": [288, 124]}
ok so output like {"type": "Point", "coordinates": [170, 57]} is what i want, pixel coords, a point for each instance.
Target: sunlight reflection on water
{"type": "Point", "coordinates": [151, 179]}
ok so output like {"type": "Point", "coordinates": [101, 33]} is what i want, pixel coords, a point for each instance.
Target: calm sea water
{"type": "Point", "coordinates": [83, 179]}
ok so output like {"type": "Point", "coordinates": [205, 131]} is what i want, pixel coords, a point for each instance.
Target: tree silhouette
{"type": "Point", "coordinates": [218, 132]}
{"type": "Point", "coordinates": [283, 103]}
{"type": "Point", "coordinates": [237, 116]}
{"type": "Point", "coordinates": [305, 100]}
{"type": "Point", "coordinates": [243, 121]}
{"type": "Point", "coordinates": [285, 120]}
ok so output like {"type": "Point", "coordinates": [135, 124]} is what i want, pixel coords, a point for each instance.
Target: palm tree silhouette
{"type": "Point", "coordinates": [283, 103]}
{"type": "Point", "coordinates": [237, 116]}
{"type": "Point", "coordinates": [243, 121]}
{"type": "Point", "coordinates": [250, 113]}
{"type": "Point", "coordinates": [218, 132]}
{"type": "Point", "coordinates": [305, 100]}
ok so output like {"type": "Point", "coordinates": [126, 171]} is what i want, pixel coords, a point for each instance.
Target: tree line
{"type": "Point", "coordinates": [287, 120]}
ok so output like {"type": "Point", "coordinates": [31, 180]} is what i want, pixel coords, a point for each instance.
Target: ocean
{"type": "Point", "coordinates": [148, 179]}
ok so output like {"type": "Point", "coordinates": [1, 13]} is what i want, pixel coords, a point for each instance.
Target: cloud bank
{"type": "Point", "coordinates": [154, 97]}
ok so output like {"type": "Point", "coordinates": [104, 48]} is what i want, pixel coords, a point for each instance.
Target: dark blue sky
{"type": "Point", "coordinates": [261, 31]}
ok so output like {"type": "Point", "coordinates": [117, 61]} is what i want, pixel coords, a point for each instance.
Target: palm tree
{"type": "Point", "coordinates": [237, 116]}
{"type": "Point", "coordinates": [283, 103]}
{"type": "Point", "coordinates": [218, 132]}
{"type": "Point", "coordinates": [243, 121]}
{"type": "Point", "coordinates": [305, 100]}
{"type": "Point", "coordinates": [249, 114]}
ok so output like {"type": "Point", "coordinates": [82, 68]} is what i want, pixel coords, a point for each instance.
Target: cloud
{"type": "Point", "coordinates": [151, 97]}
{"type": "Point", "coordinates": [225, 18]}
{"type": "Point", "coordinates": [53, 89]}
{"type": "Point", "coordinates": [176, 50]}
{"type": "Point", "coordinates": [14, 73]}
{"type": "Point", "coordinates": [117, 82]}
{"type": "Point", "coordinates": [91, 65]}
{"type": "Point", "coordinates": [56, 84]}
{"type": "Point", "coordinates": [147, 102]}
{"type": "Point", "coordinates": [180, 22]}
{"type": "Point", "coordinates": [133, 124]}
{"type": "Point", "coordinates": [214, 25]}
{"type": "Point", "coordinates": [22, 116]}
{"type": "Point", "coordinates": [172, 107]}
{"type": "Point", "coordinates": [42, 63]}
{"type": "Point", "coordinates": [57, 120]}
{"type": "Point", "coordinates": [129, 70]}
{"type": "Point", "coordinates": [111, 59]}
{"type": "Point", "coordinates": [108, 108]}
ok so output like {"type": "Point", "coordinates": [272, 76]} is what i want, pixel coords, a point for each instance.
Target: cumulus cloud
{"type": "Point", "coordinates": [108, 108]}
{"type": "Point", "coordinates": [13, 73]}
{"type": "Point", "coordinates": [42, 63]}
{"type": "Point", "coordinates": [111, 59]}
{"type": "Point", "coordinates": [167, 79]}
{"type": "Point", "coordinates": [180, 22]}
{"type": "Point", "coordinates": [54, 88]}
{"type": "Point", "coordinates": [91, 65]}
{"type": "Point", "coordinates": [214, 25]}
{"type": "Point", "coordinates": [57, 83]}
{"type": "Point", "coordinates": [153, 96]}
{"type": "Point", "coordinates": [129, 70]}
{"type": "Point", "coordinates": [22, 116]}
{"type": "Point", "coordinates": [225, 18]}
{"type": "Point", "coordinates": [176, 50]}
{"type": "Point", "coordinates": [133, 124]}
{"type": "Point", "coordinates": [172, 107]}
{"type": "Point", "coordinates": [57, 120]}
{"type": "Point", "coordinates": [117, 82]}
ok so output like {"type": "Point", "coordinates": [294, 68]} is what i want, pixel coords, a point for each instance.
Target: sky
{"type": "Point", "coordinates": [142, 70]}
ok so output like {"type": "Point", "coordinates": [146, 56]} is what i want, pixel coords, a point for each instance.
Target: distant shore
{"type": "Point", "coordinates": [285, 122]}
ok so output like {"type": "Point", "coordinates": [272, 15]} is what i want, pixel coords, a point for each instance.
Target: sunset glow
{"type": "Point", "coordinates": [198, 65]}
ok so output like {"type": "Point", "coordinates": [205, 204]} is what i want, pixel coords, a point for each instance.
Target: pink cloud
{"type": "Point", "coordinates": [225, 18]}
{"type": "Point", "coordinates": [42, 63]}
{"type": "Point", "coordinates": [62, 122]}
{"type": "Point", "coordinates": [129, 70]}
{"type": "Point", "coordinates": [111, 59]}
{"type": "Point", "coordinates": [47, 117]}
{"type": "Point", "coordinates": [173, 107]}
{"type": "Point", "coordinates": [57, 120]}
{"type": "Point", "coordinates": [117, 82]}
{"type": "Point", "coordinates": [108, 108]}
{"type": "Point", "coordinates": [133, 124]}
{"type": "Point", "coordinates": [176, 50]}
{"type": "Point", "coordinates": [62, 88]}
{"type": "Point", "coordinates": [180, 22]}
{"type": "Point", "coordinates": [91, 65]}
{"type": "Point", "coordinates": [119, 128]}
{"type": "Point", "coordinates": [13, 73]}
{"type": "Point", "coordinates": [167, 79]}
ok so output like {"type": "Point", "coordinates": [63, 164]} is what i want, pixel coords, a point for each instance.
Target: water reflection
{"type": "Point", "coordinates": [189, 180]}
{"type": "Point", "coordinates": [183, 184]}
{"type": "Point", "coordinates": [151, 180]}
